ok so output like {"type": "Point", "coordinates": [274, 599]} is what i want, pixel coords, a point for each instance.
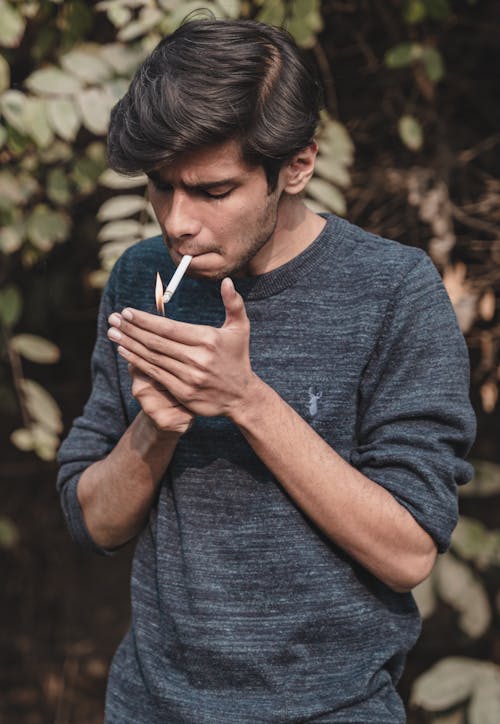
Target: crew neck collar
{"type": "Point", "coordinates": [273, 282]}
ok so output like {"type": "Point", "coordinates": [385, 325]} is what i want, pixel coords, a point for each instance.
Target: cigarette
{"type": "Point", "coordinates": [175, 281]}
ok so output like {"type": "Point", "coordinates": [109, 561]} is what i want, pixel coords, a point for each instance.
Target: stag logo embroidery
{"type": "Point", "coordinates": [313, 401]}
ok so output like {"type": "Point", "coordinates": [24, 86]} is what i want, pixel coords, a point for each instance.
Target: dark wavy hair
{"type": "Point", "coordinates": [212, 81]}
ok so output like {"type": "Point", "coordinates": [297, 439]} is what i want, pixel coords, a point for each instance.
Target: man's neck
{"type": "Point", "coordinates": [296, 228]}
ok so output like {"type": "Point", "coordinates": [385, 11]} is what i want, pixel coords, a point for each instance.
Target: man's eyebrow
{"type": "Point", "coordinates": [202, 185]}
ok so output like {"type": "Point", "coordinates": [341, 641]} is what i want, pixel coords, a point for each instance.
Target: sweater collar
{"type": "Point", "coordinates": [275, 281]}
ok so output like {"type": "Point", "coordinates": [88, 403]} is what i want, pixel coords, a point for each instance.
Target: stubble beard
{"type": "Point", "coordinates": [266, 228]}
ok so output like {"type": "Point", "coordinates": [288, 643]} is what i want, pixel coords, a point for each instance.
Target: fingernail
{"type": "Point", "coordinates": [127, 314]}
{"type": "Point", "coordinates": [114, 334]}
{"type": "Point", "coordinates": [115, 319]}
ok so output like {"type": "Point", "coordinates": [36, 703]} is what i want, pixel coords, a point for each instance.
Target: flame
{"type": "Point", "coordinates": [159, 295]}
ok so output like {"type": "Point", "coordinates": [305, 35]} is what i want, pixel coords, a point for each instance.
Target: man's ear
{"type": "Point", "coordinates": [298, 171]}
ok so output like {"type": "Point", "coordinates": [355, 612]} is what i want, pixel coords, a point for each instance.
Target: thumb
{"type": "Point", "coordinates": [233, 304]}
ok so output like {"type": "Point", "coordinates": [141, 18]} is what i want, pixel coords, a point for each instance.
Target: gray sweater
{"type": "Point", "coordinates": [242, 610]}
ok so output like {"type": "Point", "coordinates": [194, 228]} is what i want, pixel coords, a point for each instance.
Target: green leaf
{"type": "Point", "coordinates": [17, 142]}
{"type": "Point", "coordinates": [120, 230]}
{"type": "Point", "coordinates": [10, 190]}
{"type": "Point", "coordinates": [36, 349]}
{"type": "Point", "coordinates": [45, 442]}
{"type": "Point", "coordinates": [119, 15]}
{"type": "Point", "coordinates": [37, 123]}
{"type": "Point", "coordinates": [37, 437]}
{"type": "Point", "coordinates": [30, 8]}
{"type": "Point", "coordinates": [410, 132]}
{"type": "Point", "coordinates": [75, 21]}
{"type": "Point", "coordinates": [119, 207]}
{"type": "Point", "coordinates": [438, 9]}
{"type": "Point", "coordinates": [58, 189]}
{"type": "Point", "coordinates": [272, 13]}
{"type": "Point", "coordinates": [327, 168]}
{"type": "Point", "coordinates": [112, 251]}
{"type": "Point", "coordinates": [41, 406]}
{"type": "Point", "coordinates": [52, 81]}
{"type": "Point", "coordinates": [46, 227]}
{"type": "Point", "coordinates": [57, 152]}
{"type": "Point", "coordinates": [403, 54]}
{"type": "Point", "coordinates": [415, 11]}
{"type": "Point", "coordinates": [9, 533]}
{"type": "Point", "coordinates": [28, 185]}
{"type": "Point", "coordinates": [461, 589]}
{"type": "Point", "coordinates": [3, 135]}
{"type": "Point", "coordinates": [468, 538]}
{"type": "Point", "coordinates": [484, 707]}
{"type": "Point", "coordinates": [148, 18]}
{"type": "Point", "coordinates": [425, 597]}
{"type": "Point", "coordinates": [4, 74]}
{"type": "Point", "coordinates": [327, 195]}
{"type": "Point", "coordinates": [433, 64]}
{"type": "Point", "coordinates": [116, 89]}
{"type": "Point", "coordinates": [472, 541]}
{"type": "Point", "coordinates": [10, 239]}
{"type": "Point", "coordinates": [95, 107]}
{"type": "Point", "coordinates": [85, 174]}
{"type": "Point", "coordinates": [11, 27]}
{"type": "Point", "coordinates": [486, 481]}
{"type": "Point", "coordinates": [43, 42]}
{"type": "Point", "coordinates": [98, 278]}
{"type": "Point", "coordinates": [124, 59]}
{"type": "Point", "coordinates": [112, 180]}
{"type": "Point", "coordinates": [85, 64]}
{"type": "Point", "coordinates": [22, 438]}
{"type": "Point", "coordinates": [305, 22]}
{"type": "Point", "coordinates": [448, 683]}
{"type": "Point", "coordinates": [230, 8]}
{"type": "Point", "coordinates": [96, 151]}
{"type": "Point", "coordinates": [12, 106]}
{"type": "Point", "coordinates": [335, 142]}
{"type": "Point", "coordinates": [10, 305]}
{"type": "Point", "coordinates": [63, 117]}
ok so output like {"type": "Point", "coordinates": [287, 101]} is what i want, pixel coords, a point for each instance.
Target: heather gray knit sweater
{"type": "Point", "coordinates": [242, 610]}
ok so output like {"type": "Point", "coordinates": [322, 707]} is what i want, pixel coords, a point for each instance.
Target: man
{"type": "Point", "coordinates": [285, 445]}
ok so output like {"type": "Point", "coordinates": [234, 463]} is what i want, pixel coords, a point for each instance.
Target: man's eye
{"type": "Point", "coordinates": [214, 195]}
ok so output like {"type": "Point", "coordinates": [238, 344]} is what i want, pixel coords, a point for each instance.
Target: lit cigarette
{"type": "Point", "coordinates": [175, 281]}
{"type": "Point", "coordinates": [163, 297]}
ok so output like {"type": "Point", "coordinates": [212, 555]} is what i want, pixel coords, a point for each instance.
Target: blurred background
{"type": "Point", "coordinates": [408, 149]}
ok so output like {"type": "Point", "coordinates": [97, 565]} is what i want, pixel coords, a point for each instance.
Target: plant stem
{"type": "Point", "coordinates": [17, 376]}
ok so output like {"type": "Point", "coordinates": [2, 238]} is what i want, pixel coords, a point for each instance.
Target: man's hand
{"type": "Point", "coordinates": [205, 369]}
{"type": "Point", "coordinates": [158, 404]}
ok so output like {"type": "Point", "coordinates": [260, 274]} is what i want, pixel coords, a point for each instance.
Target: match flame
{"type": "Point", "coordinates": [159, 295]}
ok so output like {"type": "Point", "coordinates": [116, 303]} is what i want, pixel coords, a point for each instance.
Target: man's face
{"type": "Point", "coordinates": [212, 205]}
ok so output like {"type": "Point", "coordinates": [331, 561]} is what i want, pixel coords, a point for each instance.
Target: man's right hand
{"type": "Point", "coordinates": [166, 413]}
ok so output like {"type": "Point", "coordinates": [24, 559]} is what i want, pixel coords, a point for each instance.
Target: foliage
{"type": "Point", "coordinates": [62, 67]}
{"type": "Point", "coordinates": [458, 683]}
{"type": "Point", "coordinates": [466, 579]}
{"type": "Point", "coordinates": [52, 148]}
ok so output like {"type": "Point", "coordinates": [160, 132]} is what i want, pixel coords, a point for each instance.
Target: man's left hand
{"type": "Point", "coordinates": [207, 369]}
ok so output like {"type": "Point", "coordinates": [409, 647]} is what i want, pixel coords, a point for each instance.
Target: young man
{"type": "Point", "coordinates": [286, 444]}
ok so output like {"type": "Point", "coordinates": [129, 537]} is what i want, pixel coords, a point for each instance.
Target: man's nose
{"type": "Point", "coordinates": [180, 218]}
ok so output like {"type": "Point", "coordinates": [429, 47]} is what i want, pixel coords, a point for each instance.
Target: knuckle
{"type": "Point", "coordinates": [197, 378]}
{"type": "Point", "coordinates": [189, 397]}
{"type": "Point", "coordinates": [211, 341]}
{"type": "Point", "coordinates": [152, 371]}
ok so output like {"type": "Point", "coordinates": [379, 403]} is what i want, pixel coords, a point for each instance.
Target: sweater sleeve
{"type": "Point", "coordinates": [95, 433]}
{"type": "Point", "coordinates": [416, 424]}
